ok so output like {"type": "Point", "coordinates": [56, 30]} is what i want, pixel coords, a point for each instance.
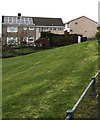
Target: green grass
{"type": "Point", "coordinates": [47, 83]}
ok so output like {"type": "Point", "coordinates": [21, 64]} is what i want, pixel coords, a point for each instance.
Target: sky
{"type": "Point", "coordinates": [65, 9]}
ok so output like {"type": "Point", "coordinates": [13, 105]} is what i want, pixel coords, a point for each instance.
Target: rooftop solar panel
{"type": "Point", "coordinates": [18, 20]}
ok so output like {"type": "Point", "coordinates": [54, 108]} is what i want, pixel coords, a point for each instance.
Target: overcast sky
{"type": "Point", "coordinates": [65, 9]}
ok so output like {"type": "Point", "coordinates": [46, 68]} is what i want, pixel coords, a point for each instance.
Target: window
{"type": "Point", "coordinates": [28, 39]}
{"type": "Point", "coordinates": [50, 28]}
{"type": "Point", "coordinates": [71, 30]}
{"type": "Point", "coordinates": [31, 28]}
{"type": "Point", "coordinates": [54, 28]}
{"type": "Point", "coordinates": [24, 28]}
{"type": "Point", "coordinates": [40, 29]}
{"type": "Point", "coordinates": [12, 29]}
{"type": "Point", "coordinates": [31, 39]}
{"type": "Point", "coordinates": [76, 23]}
{"type": "Point", "coordinates": [45, 29]}
{"type": "Point", "coordinates": [12, 40]}
{"type": "Point", "coordinates": [60, 28]}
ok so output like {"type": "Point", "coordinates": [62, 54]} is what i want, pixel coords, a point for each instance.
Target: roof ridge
{"type": "Point", "coordinates": [79, 18]}
{"type": "Point", "coordinates": [33, 17]}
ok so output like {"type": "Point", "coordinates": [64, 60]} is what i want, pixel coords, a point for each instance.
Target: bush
{"type": "Point", "coordinates": [84, 39]}
{"type": "Point", "coordinates": [23, 43]}
{"type": "Point", "coordinates": [56, 40]}
{"type": "Point", "coordinates": [98, 35]}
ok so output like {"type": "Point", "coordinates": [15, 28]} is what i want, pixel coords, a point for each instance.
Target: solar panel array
{"type": "Point", "coordinates": [18, 20]}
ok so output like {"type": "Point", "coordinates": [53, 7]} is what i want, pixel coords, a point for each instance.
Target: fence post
{"type": "Point", "coordinates": [70, 113]}
{"type": "Point", "coordinates": [94, 86]}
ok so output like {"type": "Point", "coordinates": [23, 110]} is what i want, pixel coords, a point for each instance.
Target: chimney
{"type": "Point", "coordinates": [19, 14]}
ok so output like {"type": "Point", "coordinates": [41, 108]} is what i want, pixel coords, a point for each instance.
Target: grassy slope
{"type": "Point", "coordinates": [47, 83]}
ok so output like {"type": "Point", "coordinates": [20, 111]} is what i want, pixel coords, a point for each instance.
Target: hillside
{"type": "Point", "coordinates": [47, 83]}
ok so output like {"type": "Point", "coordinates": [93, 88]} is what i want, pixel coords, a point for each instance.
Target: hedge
{"type": "Point", "coordinates": [56, 40]}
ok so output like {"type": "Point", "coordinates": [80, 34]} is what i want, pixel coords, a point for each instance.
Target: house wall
{"type": "Point", "coordinates": [57, 31]}
{"type": "Point", "coordinates": [20, 34]}
{"type": "Point", "coordinates": [83, 26]}
{"type": "Point", "coordinates": [4, 34]}
{"type": "Point", "coordinates": [38, 32]}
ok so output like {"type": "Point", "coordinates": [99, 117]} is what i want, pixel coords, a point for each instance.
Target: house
{"type": "Point", "coordinates": [16, 29]}
{"type": "Point", "coordinates": [83, 26]}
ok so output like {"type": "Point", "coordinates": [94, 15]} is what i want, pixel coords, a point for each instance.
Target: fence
{"type": "Point", "coordinates": [70, 113]}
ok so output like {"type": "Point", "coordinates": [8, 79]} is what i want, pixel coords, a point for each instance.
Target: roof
{"type": "Point", "coordinates": [40, 21]}
{"type": "Point", "coordinates": [81, 17]}
{"type": "Point", "coordinates": [15, 20]}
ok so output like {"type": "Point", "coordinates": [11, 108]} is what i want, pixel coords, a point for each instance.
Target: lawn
{"type": "Point", "coordinates": [47, 83]}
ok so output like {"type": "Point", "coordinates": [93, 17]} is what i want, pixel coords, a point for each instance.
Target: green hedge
{"type": "Point", "coordinates": [56, 40]}
{"type": "Point", "coordinates": [98, 34]}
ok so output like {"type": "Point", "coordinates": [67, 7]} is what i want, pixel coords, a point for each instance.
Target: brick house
{"type": "Point", "coordinates": [83, 26]}
{"type": "Point", "coordinates": [21, 28]}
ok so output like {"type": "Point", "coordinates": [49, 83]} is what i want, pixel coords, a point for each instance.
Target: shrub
{"type": "Point", "coordinates": [56, 40]}
{"type": "Point", "coordinates": [23, 43]}
{"type": "Point", "coordinates": [98, 35]}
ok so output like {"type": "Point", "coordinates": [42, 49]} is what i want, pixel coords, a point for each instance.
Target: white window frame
{"type": "Point", "coordinates": [50, 28]}
{"type": "Point", "coordinates": [54, 28]}
{"type": "Point", "coordinates": [14, 29]}
{"type": "Point", "coordinates": [10, 39]}
{"type": "Point", "coordinates": [31, 28]}
{"type": "Point", "coordinates": [24, 28]}
{"type": "Point", "coordinates": [30, 38]}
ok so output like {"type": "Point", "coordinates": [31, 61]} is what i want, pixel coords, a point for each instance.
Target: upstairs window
{"type": "Point", "coordinates": [12, 29]}
{"type": "Point", "coordinates": [54, 28]}
{"type": "Point", "coordinates": [45, 29]}
{"type": "Point", "coordinates": [40, 29]}
{"type": "Point", "coordinates": [24, 28]}
{"type": "Point", "coordinates": [50, 28]}
{"type": "Point", "coordinates": [31, 28]}
{"type": "Point", "coordinates": [60, 28]}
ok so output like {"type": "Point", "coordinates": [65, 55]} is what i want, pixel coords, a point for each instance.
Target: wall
{"type": "Point", "coordinates": [20, 34]}
{"type": "Point", "coordinates": [83, 26]}
{"type": "Point", "coordinates": [38, 32]}
{"type": "Point", "coordinates": [57, 31]}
